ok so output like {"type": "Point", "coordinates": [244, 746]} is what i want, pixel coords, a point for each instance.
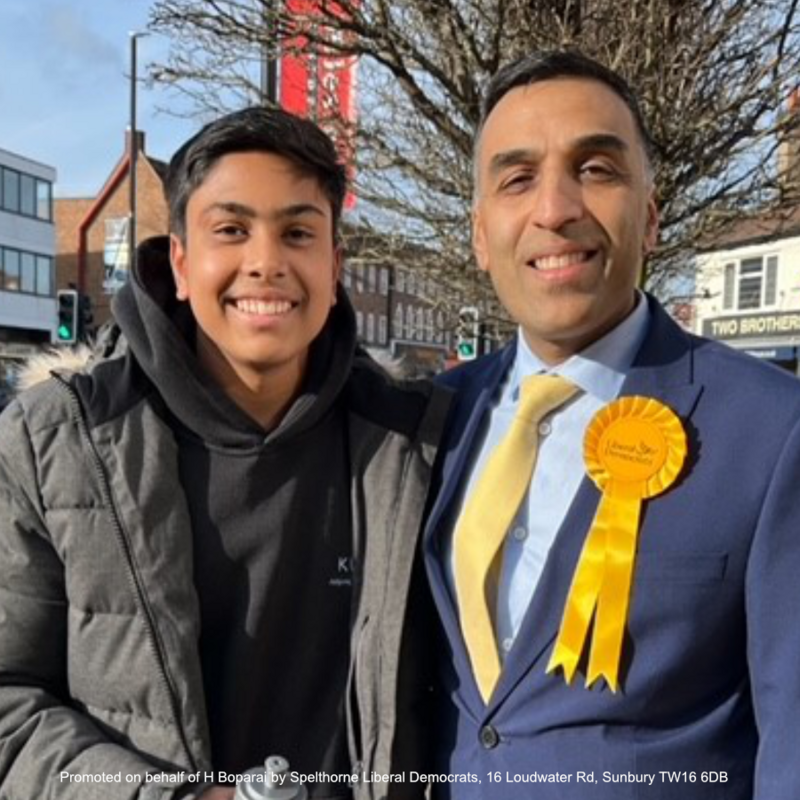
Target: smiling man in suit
{"type": "Point", "coordinates": [618, 634]}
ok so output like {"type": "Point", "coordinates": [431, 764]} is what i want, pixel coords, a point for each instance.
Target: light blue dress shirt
{"type": "Point", "coordinates": [599, 371]}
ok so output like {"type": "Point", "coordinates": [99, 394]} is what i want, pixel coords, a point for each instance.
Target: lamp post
{"type": "Point", "coordinates": [134, 151]}
{"type": "Point", "coordinates": [269, 66]}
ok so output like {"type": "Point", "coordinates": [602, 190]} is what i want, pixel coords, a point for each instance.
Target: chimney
{"type": "Point", "coordinates": [139, 139]}
{"type": "Point", "coordinates": [789, 148]}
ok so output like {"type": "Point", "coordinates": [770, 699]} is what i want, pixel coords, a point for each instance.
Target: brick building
{"type": "Point", "coordinates": [92, 232]}
{"type": "Point", "coordinates": [396, 309]}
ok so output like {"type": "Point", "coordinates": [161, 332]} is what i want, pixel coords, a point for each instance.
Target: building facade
{"type": "Point", "coordinates": [748, 282]}
{"type": "Point", "coordinates": [749, 291]}
{"type": "Point", "coordinates": [27, 252]}
{"type": "Point", "coordinates": [396, 312]}
{"type": "Point", "coordinates": [92, 233]}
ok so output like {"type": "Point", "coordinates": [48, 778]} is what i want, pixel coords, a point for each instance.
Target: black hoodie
{"type": "Point", "coordinates": [272, 535]}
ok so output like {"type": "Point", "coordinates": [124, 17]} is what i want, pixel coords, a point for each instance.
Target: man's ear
{"type": "Point", "coordinates": [337, 271]}
{"type": "Point", "coordinates": [479, 244]}
{"type": "Point", "coordinates": [177, 260]}
{"type": "Point", "coordinates": [651, 226]}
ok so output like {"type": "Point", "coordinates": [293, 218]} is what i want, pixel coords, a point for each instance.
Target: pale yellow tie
{"type": "Point", "coordinates": [488, 513]}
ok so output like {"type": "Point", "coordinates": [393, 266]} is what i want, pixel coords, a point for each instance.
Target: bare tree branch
{"type": "Point", "coordinates": [713, 77]}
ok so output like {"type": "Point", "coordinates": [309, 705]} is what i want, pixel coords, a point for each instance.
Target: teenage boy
{"type": "Point", "coordinates": [192, 525]}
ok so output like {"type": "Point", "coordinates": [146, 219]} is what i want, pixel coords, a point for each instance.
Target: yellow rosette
{"type": "Point", "coordinates": [634, 449]}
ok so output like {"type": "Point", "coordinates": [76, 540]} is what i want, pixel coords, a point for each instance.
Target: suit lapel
{"type": "Point", "coordinates": [662, 370]}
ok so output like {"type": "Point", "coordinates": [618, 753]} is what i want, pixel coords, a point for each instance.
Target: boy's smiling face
{"type": "Point", "coordinates": [258, 265]}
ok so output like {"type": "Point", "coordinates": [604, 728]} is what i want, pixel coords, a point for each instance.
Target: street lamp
{"type": "Point", "coordinates": [269, 67]}
{"type": "Point", "coordinates": [132, 155]}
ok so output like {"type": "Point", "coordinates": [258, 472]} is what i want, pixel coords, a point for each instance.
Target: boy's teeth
{"type": "Point", "coordinates": [559, 262]}
{"type": "Point", "coordinates": [269, 308]}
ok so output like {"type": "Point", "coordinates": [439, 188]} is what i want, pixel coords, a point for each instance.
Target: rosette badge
{"type": "Point", "coordinates": [634, 449]}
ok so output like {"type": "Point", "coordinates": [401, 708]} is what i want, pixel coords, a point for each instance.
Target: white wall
{"type": "Point", "coordinates": [710, 291]}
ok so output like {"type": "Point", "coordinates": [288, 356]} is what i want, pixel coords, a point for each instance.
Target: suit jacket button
{"type": "Point", "coordinates": [489, 737]}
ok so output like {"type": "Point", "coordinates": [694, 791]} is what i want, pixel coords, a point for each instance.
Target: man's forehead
{"type": "Point", "coordinates": [569, 106]}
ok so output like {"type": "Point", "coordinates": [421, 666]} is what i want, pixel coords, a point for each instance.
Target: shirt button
{"type": "Point", "coordinates": [489, 737]}
{"type": "Point", "coordinates": [545, 428]}
{"type": "Point", "coordinates": [507, 644]}
{"type": "Point", "coordinates": [520, 533]}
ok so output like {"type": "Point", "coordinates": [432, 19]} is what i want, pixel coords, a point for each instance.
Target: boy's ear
{"type": "Point", "coordinates": [177, 260]}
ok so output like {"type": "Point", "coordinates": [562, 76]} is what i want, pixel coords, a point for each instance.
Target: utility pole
{"type": "Point", "coordinates": [133, 154]}
{"type": "Point", "coordinates": [269, 63]}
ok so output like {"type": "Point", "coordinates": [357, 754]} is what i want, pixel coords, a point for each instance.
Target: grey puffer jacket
{"type": "Point", "coordinates": [99, 622]}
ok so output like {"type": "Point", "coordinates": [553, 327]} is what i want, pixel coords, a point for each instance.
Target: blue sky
{"type": "Point", "coordinates": [64, 87]}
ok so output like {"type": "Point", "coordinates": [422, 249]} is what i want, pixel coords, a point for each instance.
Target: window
{"type": "Point", "coordinates": [25, 194]}
{"type": "Point", "coordinates": [44, 200]}
{"type": "Point", "coordinates": [440, 326]}
{"type": "Point", "coordinates": [27, 186]}
{"type": "Point", "coordinates": [429, 325]}
{"type": "Point", "coordinates": [371, 281]}
{"type": "Point", "coordinates": [11, 270]}
{"type": "Point", "coordinates": [411, 287]}
{"type": "Point", "coordinates": [420, 325]}
{"type": "Point", "coordinates": [360, 323]}
{"type": "Point", "coordinates": [358, 277]}
{"type": "Point", "coordinates": [384, 281]}
{"type": "Point", "coordinates": [400, 280]}
{"type": "Point", "coordinates": [383, 329]}
{"type": "Point", "coordinates": [44, 276]}
{"type": "Point", "coordinates": [410, 319]}
{"type": "Point", "coordinates": [25, 272]}
{"type": "Point", "coordinates": [399, 322]}
{"type": "Point", "coordinates": [730, 286]}
{"type": "Point", "coordinates": [370, 327]}
{"type": "Point", "coordinates": [10, 190]}
{"type": "Point", "coordinates": [346, 278]}
{"type": "Point", "coordinates": [752, 283]}
{"type": "Point", "coordinates": [28, 262]}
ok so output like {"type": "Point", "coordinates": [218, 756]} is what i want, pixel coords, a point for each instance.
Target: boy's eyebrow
{"type": "Point", "coordinates": [523, 155]}
{"type": "Point", "coordinates": [242, 210]}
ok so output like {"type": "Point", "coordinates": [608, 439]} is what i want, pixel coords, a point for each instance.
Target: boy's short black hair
{"type": "Point", "coordinates": [549, 65]}
{"type": "Point", "coordinates": [268, 130]}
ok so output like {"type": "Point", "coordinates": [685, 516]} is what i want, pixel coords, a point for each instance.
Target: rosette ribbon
{"type": "Point", "coordinates": [634, 449]}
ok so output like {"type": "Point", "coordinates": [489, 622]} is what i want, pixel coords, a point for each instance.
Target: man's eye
{"type": "Point", "coordinates": [598, 170]}
{"type": "Point", "coordinates": [515, 182]}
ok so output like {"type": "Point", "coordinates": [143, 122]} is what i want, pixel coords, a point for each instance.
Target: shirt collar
{"type": "Point", "coordinates": [600, 368]}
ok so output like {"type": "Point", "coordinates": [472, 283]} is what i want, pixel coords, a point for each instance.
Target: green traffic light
{"type": "Point", "coordinates": [466, 349]}
{"type": "Point", "coordinates": [64, 333]}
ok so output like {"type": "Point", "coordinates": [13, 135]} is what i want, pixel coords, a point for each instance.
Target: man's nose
{"type": "Point", "coordinates": [557, 200]}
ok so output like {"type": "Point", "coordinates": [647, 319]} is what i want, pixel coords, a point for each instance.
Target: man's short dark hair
{"type": "Point", "coordinates": [549, 65]}
{"type": "Point", "coordinates": [255, 129]}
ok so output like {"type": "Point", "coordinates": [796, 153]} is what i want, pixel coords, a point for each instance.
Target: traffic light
{"type": "Point", "coordinates": [68, 318]}
{"type": "Point", "coordinates": [85, 317]}
{"type": "Point", "coordinates": [468, 333]}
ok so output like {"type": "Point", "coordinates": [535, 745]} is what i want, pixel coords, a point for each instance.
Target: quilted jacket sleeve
{"type": "Point", "coordinates": [46, 744]}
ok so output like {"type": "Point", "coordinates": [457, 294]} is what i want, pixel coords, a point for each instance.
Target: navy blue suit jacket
{"type": "Point", "coordinates": [710, 676]}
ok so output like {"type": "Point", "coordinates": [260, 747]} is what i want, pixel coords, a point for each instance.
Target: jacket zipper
{"type": "Point", "coordinates": [135, 579]}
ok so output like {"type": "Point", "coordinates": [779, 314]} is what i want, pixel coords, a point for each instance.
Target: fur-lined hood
{"type": "Point", "coordinates": [39, 368]}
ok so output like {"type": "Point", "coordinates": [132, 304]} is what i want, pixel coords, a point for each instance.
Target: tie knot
{"type": "Point", "coordinates": [541, 394]}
